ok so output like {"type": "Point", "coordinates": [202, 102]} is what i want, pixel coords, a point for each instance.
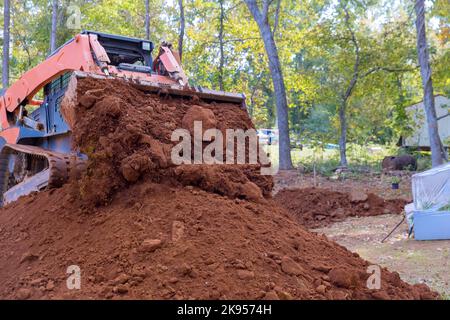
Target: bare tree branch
{"type": "Point", "coordinates": [6, 39]}
{"type": "Point", "coordinates": [181, 34]}
{"type": "Point", "coordinates": [265, 8]}
{"type": "Point", "coordinates": [277, 17]}
{"type": "Point", "coordinates": [442, 117]}
{"type": "Point", "coordinates": [386, 69]}
{"type": "Point", "coordinates": [54, 26]}
{"type": "Point", "coordinates": [147, 19]}
{"type": "Point", "coordinates": [357, 54]}
{"type": "Point", "coordinates": [221, 45]}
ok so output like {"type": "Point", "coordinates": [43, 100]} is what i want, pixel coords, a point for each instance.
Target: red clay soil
{"type": "Point", "coordinates": [160, 242]}
{"type": "Point", "coordinates": [315, 208]}
{"type": "Point", "coordinates": [155, 233]}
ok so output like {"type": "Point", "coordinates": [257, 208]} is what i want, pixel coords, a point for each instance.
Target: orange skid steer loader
{"type": "Point", "coordinates": [35, 135]}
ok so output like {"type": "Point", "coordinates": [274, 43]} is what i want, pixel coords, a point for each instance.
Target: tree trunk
{"type": "Point", "coordinates": [265, 31]}
{"type": "Point", "coordinates": [147, 19]}
{"type": "Point", "coordinates": [6, 36]}
{"type": "Point", "coordinates": [343, 134]}
{"type": "Point", "coordinates": [222, 58]}
{"type": "Point", "coordinates": [346, 95]}
{"type": "Point", "coordinates": [54, 26]}
{"type": "Point", "coordinates": [181, 34]}
{"type": "Point", "coordinates": [438, 154]}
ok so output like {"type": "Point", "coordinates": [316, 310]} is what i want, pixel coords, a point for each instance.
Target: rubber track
{"type": "Point", "coordinates": [62, 166]}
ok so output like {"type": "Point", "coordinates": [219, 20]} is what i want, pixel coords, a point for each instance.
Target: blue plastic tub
{"type": "Point", "coordinates": [431, 225]}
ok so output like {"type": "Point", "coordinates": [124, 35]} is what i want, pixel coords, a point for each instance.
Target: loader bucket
{"type": "Point", "coordinates": [172, 89]}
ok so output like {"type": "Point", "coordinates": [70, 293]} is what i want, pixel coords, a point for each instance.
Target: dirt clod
{"type": "Point", "coordinates": [204, 116]}
{"type": "Point", "coordinates": [121, 279]}
{"type": "Point", "coordinates": [342, 278]}
{"type": "Point", "coordinates": [120, 289]}
{"type": "Point", "coordinates": [290, 267]}
{"type": "Point", "coordinates": [50, 285]}
{"type": "Point", "coordinates": [177, 230]}
{"type": "Point", "coordinates": [357, 196]}
{"type": "Point", "coordinates": [321, 289]}
{"type": "Point", "coordinates": [283, 295]}
{"type": "Point", "coordinates": [28, 257]}
{"type": "Point", "coordinates": [271, 295]}
{"type": "Point", "coordinates": [245, 274]}
{"type": "Point", "coordinates": [150, 245]}
{"type": "Point", "coordinates": [23, 293]}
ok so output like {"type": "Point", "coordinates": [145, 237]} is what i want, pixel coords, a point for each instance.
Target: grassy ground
{"type": "Point", "coordinates": [361, 159]}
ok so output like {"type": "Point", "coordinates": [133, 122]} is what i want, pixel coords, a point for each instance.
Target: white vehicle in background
{"type": "Point", "coordinates": [268, 136]}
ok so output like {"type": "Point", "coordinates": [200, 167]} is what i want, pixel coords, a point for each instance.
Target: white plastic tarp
{"type": "Point", "coordinates": [431, 189]}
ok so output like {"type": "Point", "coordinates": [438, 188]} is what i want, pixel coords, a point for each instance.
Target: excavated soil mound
{"type": "Point", "coordinates": [140, 227]}
{"type": "Point", "coordinates": [155, 241]}
{"type": "Point", "coordinates": [315, 208]}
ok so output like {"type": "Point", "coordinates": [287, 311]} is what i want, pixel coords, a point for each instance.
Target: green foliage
{"type": "Point", "coordinates": [395, 180]}
{"type": "Point", "coordinates": [441, 43]}
{"type": "Point", "coordinates": [315, 48]}
{"type": "Point", "coordinates": [423, 163]}
{"type": "Point", "coordinates": [362, 159]}
{"type": "Point", "coordinates": [445, 207]}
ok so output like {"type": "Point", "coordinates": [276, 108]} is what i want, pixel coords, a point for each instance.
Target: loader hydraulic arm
{"type": "Point", "coordinates": [169, 62]}
{"type": "Point", "coordinates": [75, 55]}
{"type": "Point", "coordinates": [86, 53]}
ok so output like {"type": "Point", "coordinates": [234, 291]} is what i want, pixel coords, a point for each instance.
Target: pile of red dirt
{"type": "Point", "coordinates": [199, 233]}
{"type": "Point", "coordinates": [161, 242]}
{"type": "Point", "coordinates": [314, 207]}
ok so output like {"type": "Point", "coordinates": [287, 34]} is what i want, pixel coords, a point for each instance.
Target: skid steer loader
{"type": "Point", "coordinates": [35, 135]}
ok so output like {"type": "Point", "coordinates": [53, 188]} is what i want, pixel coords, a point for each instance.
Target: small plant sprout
{"type": "Point", "coordinates": [395, 180]}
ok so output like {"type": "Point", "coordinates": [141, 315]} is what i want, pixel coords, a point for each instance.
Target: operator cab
{"type": "Point", "coordinates": [126, 53]}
